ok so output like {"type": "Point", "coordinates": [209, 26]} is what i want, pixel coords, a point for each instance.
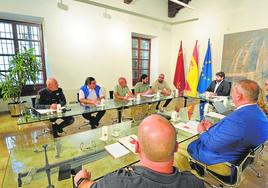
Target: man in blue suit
{"type": "Point", "coordinates": [233, 136]}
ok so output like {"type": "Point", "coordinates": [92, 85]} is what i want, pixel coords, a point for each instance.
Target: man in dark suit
{"type": "Point", "coordinates": [48, 98]}
{"type": "Point", "coordinates": [219, 87]}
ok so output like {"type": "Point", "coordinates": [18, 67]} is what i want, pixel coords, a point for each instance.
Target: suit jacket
{"type": "Point", "coordinates": [45, 98]}
{"type": "Point", "coordinates": [222, 90]}
{"type": "Point", "coordinates": [232, 137]}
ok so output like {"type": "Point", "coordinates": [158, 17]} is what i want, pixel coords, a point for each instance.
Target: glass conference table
{"type": "Point", "coordinates": [27, 167]}
{"type": "Point", "coordinates": [32, 115]}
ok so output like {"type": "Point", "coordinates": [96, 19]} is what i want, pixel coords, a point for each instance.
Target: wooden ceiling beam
{"type": "Point", "coordinates": [174, 8]}
{"type": "Point", "coordinates": [128, 1]}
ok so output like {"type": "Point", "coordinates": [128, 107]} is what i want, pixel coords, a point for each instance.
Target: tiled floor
{"type": "Point", "coordinates": [12, 135]}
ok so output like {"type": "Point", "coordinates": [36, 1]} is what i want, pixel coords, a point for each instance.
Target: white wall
{"type": "Point", "coordinates": [81, 42]}
{"type": "Point", "coordinates": [216, 18]}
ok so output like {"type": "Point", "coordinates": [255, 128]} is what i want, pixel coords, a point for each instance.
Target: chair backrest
{"type": "Point", "coordinates": [230, 88]}
{"type": "Point", "coordinates": [249, 159]}
{"type": "Point", "coordinates": [77, 94]}
{"type": "Point", "coordinates": [111, 94]}
{"type": "Point", "coordinates": [33, 98]}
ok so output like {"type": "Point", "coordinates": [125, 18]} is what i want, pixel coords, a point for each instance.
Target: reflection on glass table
{"type": "Point", "coordinates": [81, 149]}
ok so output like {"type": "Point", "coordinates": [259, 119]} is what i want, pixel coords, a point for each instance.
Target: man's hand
{"type": "Point", "coordinates": [165, 92]}
{"type": "Point", "coordinates": [148, 92]}
{"type": "Point", "coordinates": [82, 174]}
{"type": "Point", "coordinates": [95, 101]}
{"type": "Point", "coordinates": [53, 106]}
{"type": "Point", "coordinates": [126, 97]}
{"type": "Point", "coordinates": [211, 94]}
{"type": "Point", "coordinates": [204, 126]}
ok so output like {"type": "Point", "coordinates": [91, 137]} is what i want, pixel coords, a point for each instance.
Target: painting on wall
{"type": "Point", "coordinates": [245, 55]}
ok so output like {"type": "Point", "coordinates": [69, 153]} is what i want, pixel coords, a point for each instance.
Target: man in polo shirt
{"type": "Point", "coordinates": [160, 85]}
{"type": "Point", "coordinates": [155, 146]}
{"type": "Point", "coordinates": [91, 94]}
{"type": "Point", "coordinates": [142, 87]}
{"type": "Point", "coordinates": [121, 91]}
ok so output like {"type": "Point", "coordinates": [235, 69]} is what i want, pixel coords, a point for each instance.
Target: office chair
{"type": "Point", "coordinates": [230, 88]}
{"type": "Point", "coordinates": [46, 130]}
{"type": "Point", "coordinates": [86, 123]}
{"type": "Point", "coordinates": [115, 120]}
{"type": "Point", "coordinates": [237, 169]}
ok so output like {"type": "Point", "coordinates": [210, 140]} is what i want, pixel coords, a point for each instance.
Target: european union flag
{"type": "Point", "coordinates": [206, 74]}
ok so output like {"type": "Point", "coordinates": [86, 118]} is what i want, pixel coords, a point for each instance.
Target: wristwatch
{"type": "Point", "coordinates": [80, 181]}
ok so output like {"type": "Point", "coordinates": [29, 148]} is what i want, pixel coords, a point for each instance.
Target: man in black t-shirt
{"type": "Point", "coordinates": [49, 97]}
{"type": "Point", "coordinates": [155, 146]}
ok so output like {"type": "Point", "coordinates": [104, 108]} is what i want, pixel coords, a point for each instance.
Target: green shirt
{"type": "Point", "coordinates": [160, 86]}
{"type": "Point", "coordinates": [140, 87]}
{"type": "Point", "coordinates": [121, 91]}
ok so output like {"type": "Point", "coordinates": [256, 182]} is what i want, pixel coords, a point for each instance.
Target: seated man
{"type": "Point", "coordinates": [121, 91]}
{"type": "Point", "coordinates": [91, 94]}
{"type": "Point", "coordinates": [155, 146]}
{"type": "Point", "coordinates": [161, 85]}
{"type": "Point", "coordinates": [49, 97]}
{"type": "Point", "coordinates": [142, 87]}
{"type": "Point", "coordinates": [230, 138]}
{"type": "Point", "coordinates": [219, 87]}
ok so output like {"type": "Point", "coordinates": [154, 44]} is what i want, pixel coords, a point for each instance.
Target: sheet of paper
{"type": "Point", "coordinates": [116, 150]}
{"type": "Point", "coordinates": [129, 142]}
{"type": "Point", "coordinates": [148, 95]}
{"type": "Point", "coordinates": [190, 127]}
{"type": "Point", "coordinates": [43, 111]}
{"type": "Point", "coordinates": [215, 115]}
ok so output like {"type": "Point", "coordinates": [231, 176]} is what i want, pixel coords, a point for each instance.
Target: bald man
{"type": "Point", "coordinates": [155, 146]}
{"type": "Point", "coordinates": [121, 91]}
{"type": "Point", "coordinates": [48, 98]}
{"type": "Point", "coordinates": [232, 137]}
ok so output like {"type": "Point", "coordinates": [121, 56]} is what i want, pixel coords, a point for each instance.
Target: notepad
{"type": "Point", "coordinates": [129, 142]}
{"type": "Point", "coordinates": [190, 127]}
{"type": "Point", "coordinates": [215, 115]}
{"type": "Point", "coordinates": [43, 111]}
{"type": "Point", "coordinates": [116, 150]}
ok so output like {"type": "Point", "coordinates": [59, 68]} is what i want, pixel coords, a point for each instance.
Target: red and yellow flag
{"type": "Point", "coordinates": [192, 76]}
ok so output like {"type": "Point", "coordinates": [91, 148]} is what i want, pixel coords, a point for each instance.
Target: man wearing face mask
{"type": "Point", "coordinates": [219, 87]}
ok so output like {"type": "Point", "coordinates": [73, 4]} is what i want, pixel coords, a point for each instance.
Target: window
{"type": "Point", "coordinates": [14, 37]}
{"type": "Point", "coordinates": [141, 55]}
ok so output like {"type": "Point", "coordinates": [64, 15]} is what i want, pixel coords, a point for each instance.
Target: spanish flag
{"type": "Point", "coordinates": [192, 76]}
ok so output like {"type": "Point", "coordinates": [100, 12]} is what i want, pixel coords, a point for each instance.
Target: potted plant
{"type": "Point", "coordinates": [23, 68]}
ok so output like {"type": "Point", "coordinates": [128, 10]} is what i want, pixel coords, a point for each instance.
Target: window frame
{"type": "Point", "coordinates": [139, 59]}
{"type": "Point", "coordinates": [29, 89]}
